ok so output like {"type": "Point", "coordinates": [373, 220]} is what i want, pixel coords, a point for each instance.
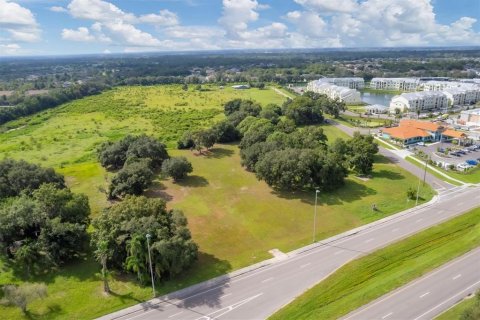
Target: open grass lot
{"type": "Point", "coordinates": [456, 312]}
{"type": "Point", "coordinates": [234, 218]}
{"type": "Point", "coordinates": [378, 273]}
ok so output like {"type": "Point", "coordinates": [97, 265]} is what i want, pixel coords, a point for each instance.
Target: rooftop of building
{"type": "Point", "coordinates": [405, 132]}
{"type": "Point", "coordinates": [395, 79]}
{"type": "Point", "coordinates": [420, 94]}
{"type": "Point", "coordinates": [423, 125]}
{"type": "Point", "coordinates": [454, 134]}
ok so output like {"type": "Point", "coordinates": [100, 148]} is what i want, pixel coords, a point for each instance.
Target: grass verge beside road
{"type": "Point", "coordinates": [456, 311]}
{"type": "Point", "coordinates": [386, 269]}
{"type": "Point", "coordinates": [436, 174]}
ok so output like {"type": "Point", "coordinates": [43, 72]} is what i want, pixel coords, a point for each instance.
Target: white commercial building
{"type": "Point", "coordinates": [352, 83]}
{"type": "Point", "coordinates": [349, 96]}
{"type": "Point", "coordinates": [401, 84]}
{"type": "Point", "coordinates": [423, 101]}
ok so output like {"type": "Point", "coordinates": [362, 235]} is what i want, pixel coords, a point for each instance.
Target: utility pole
{"type": "Point", "coordinates": [315, 215]}
{"type": "Point", "coordinates": [425, 171]}
{"type": "Point", "coordinates": [150, 260]}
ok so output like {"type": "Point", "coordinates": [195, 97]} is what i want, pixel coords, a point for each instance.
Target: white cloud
{"type": "Point", "coordinates": [18, 21]}
{"type": "Point", "coordinates": [9, 49]}
{"type": "Point", "coordinates": [380, 23]}
{"type": "Point", "coordinates": [98, 10]}
{"type": "Point", "coordinates": [237, 14]}
{"type": "Point", "coordinates": [164, 18]}
{"type": "Point", "coordinates": [81, 34]}
{"type": "Point", "coordinates": [307, 22]}
{"type": "Point", "coordinates": [58, 9]}
{"type": "Point", "coordinates": [194, 32]}
{"type": "Point", "coordinates": [325, 6]}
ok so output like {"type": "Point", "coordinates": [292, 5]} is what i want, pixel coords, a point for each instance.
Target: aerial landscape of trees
{"type": "Point", "coordinates": [121, 236]}
{"type": "Point", "coordinates": [136, 158]}
{"type": "Point", "coordinates": [41, 224]}
{"type": "Point", "coordinates": [286, 147]}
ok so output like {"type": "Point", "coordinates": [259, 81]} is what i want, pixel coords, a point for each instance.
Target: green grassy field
{"type": "Point", "coordinates": [385, 270]}
{"type": "Point", "coordinates": [456, 311]}
{"type": "Point", "coordinates": [234, 218]}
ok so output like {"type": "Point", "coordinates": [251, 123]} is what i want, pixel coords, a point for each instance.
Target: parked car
{"type": "Point", "coordinates": [421, 143]}
{"type": "Point", "coordinates": [472, 162]}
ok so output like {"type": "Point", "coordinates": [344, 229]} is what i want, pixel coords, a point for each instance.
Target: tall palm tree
{"type": "Point", "coordinates": [102, 254]}
{"type": "Point", "coordinates": [136, 259]}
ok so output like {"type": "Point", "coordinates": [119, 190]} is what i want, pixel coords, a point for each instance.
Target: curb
{"type": "Point", "coordinates": [220, 280]}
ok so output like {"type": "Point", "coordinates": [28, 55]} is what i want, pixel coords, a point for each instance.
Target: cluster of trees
{"type": "Point", "coordinates": [284, 155]}
{"type": "Point", "coordinates": [121, 233]}
{"type": "Point", "coordinates": [28, 105]}
{"type": "Point", "coordinates": [301, 159]}
{"type": "Point", "coordinates": [135, 158]}
{"type": "Point", "coordinates": [42, 223]}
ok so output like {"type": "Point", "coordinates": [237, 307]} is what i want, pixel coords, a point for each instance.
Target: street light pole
{"type": "Point", "coordinates": [425, 172]}
{"type": "Point", "coordinates": [150, 260]}
{"type": "Point", "coordinates": [315, 215]}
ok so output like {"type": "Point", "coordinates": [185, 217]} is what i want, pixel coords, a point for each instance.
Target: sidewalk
{"type": "Point", "coordinates": [218, 281]}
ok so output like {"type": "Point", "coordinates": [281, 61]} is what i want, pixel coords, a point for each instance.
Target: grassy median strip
{"type": "Point", "coordinates": [368, 278]}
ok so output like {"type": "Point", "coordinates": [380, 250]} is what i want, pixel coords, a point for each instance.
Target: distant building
{"type": "Point", "coordinates": [376, 109]}
{"type": "Point", "coordinates": [470, 117]}
{"type": "Point", "coordinates": [400, 84]}
{"type": "Point", "coordinates": [241, 87]}
{"type": "Point", "coordinates": [349, 96]}
{"type": "Point", "coordinates": [423, 101]}
{"type": "Point", "coordinates": [458, 92]}
{"type": "Point", "coordinates": [413, 131]}
{"type": "Point", "coordinates": [352, 83]}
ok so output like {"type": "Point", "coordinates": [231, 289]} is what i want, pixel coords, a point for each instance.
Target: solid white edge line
{"type": "Point", "coordinates": [452, 297]}
{"type": "Point", "coordinates": [401, 289]}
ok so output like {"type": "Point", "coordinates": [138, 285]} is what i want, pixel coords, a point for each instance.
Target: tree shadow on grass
{"type": "Point", "coordinates": [390, 175]}
{"type": "Point", "coordinates": [193, 181]}
{"type": "Point", "coordinates": [207, 267]}
{"type": "Point", "coordinates": [54, 310]}
{"type": "Point", "coordinates": [81, 269]}
{"type": "Point", "coordinates": [218, 153]}
{"type": "Point", "coordinates": [383, 159]}
{"type": "Point", "coordinates": [351, 191]}
{"type": "Point", "coordinates": [157, 190]}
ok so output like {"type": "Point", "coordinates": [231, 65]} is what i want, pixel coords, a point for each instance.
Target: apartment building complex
{"type": "Point", "coordinates": [400, 84]}
{"type": "Point", "coordinates": [352, 83]}
{"type": "Point", "coordinates": [344, 94]}
{"type": "Point", "coordinates": [423, 101]}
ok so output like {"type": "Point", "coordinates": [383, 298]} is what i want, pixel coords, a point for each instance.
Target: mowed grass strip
{"type": "Point", "coordinates": [456, 311]}
{"type": "Point", "coordinates": [436, 174]}
{"type": "Point", "coordinates": [368, 278]}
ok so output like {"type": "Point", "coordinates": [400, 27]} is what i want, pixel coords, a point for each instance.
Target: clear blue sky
{"type": "Point", "coordinates": [36, 27]}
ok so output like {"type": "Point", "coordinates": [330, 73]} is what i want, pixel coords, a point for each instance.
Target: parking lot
{"type": "Point", "coordinates": [431, 150]}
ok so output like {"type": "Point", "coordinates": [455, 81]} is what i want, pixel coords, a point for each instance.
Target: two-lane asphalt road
{"type": "Point", "coordinates": [258, 293]}
{"type": "Point", "coordinates": [429, 295]}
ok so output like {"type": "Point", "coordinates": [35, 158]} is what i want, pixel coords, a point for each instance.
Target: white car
{"type": "Point", "coordinates": [421, 144]}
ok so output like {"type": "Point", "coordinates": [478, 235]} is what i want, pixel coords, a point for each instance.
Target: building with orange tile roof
{"type": "Point", "coordinates": [414, 131]}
